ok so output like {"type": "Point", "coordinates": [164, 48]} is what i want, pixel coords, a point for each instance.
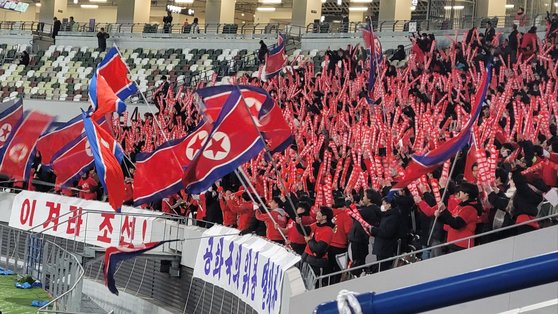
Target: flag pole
{"type": "Point", "coordinates": [248, 185]}
{"type": "Point", "coordinates": [443, 197]}
{"type": "Point", "coordinates": [268, 153]}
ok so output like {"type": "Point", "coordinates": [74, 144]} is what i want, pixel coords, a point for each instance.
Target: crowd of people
{"type": "Point", "coordinates": [329, 192]}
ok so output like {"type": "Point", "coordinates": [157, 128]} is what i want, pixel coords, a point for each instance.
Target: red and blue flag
{"type": "Point", "coordinates": [423, 164]}
{"type": "Point", "coordinates": [232, 141]}
{"type": "Point", "coordinates": [51, 142]}
{"type": "Point", "coordinates": [108, 155]}
{"type": "Point", "coordinates": [115, 255]}
{"type": "Point", "coordinates": [103, 99]}
{"type": "Point", "coordinates": [10, 114]}
{"type": "Point", "coordinates": [374, 47]}
{"type": "Point", "coordinates": [115, 72]}
{"type": "Point", "coordinates": [267, 114]}
{"type": "Point", "coordinates": [173, 156]}
{"type": "Point", "coordinates": [275, 59]}
{"type": "Point", "coordinates": [19, 148]}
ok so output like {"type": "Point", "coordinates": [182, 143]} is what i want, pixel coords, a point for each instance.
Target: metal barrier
{"type": "Point", "coordinates": [62, 278]}
{"type": "Point", "coordinates": [326, 279]}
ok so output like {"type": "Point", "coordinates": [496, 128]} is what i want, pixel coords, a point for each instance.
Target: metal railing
{"type": "Point", "coordinates": [324, 280]}
{"type": "Point", "coordinates": [181, 30]}
{"type": "Point", "coordinates": [62, 278]}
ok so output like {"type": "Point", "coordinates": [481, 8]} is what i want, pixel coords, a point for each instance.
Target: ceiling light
{"type": "Point", "coordinates": [184, 1]}
{"type": "Point", "coordinates": [99, 1]}
{"type": "Point", "coordinates": [361, 1]}
{"type": "Point", "coordinates": [37, 4]}
{"type": "Point", "coordinates": [509, 6]}
{"type": "Point", "coordinates": [89, 6]}
{"type": "Point", "coordinates": [75, 1]}
{"type": "Point", "coordinates": [455, 7]}
{"type": "Point", "coordinates": [339, 2]}
{"type": "Point", "coordinates": [413, 8]}
{"type": "Point", "coordinates": [265, 9]}
{"type": "Point", "coordinates": [270, 1]}
{"type": "Point", "coordinates": [361, 9]}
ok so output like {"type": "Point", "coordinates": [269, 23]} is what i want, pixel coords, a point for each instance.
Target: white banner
{"type": "Point", "coordinates": [64, 217]}
{"type": "Point", "coordinates": [248, 266]}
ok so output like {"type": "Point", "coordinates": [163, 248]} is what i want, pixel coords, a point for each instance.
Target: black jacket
{"type": "Point", "coordinates": [370, 214]}
{"type": "Point", "coordinates": [527, 198]}
{"type": "Point", "coordinates": [386, 235]}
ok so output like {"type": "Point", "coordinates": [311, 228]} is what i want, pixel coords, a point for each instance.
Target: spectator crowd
{"type": "Point", "coordinates": [327, 194]}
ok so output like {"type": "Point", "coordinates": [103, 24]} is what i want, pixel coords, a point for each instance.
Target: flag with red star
{"type": "Point", "coordinates": [18, 150]}
{"type": "Point", "coordinates": [267, 115]}
{"type": "Point", "coordinates": [173, 156]}
{"type": "Point", "coordinates": [275, 59]}
{"type": "Point", "coordinates": [10, 113]}
{"type": "Point", "coordinates": [233, 140]}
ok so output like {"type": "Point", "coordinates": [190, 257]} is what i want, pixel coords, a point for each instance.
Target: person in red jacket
{"type": "Point", "coordinates": [242, 206]}
{"type": "Point", "coordinates": [88, 187]}
{"type": "Point", "coordinates": [461, 218]}
{"type": "Point", "coordinates": [295, 239]}
{"type": "Point", "coordinates": [529, 43]}
{"type": "Point", "coordinates": [339, 243]}
{"type": "Point", "coordinates": [275, 220]}
{"type": "Point", "coordinates": [318, 238]}
{"type": "Point", "coordinates": [229, 218]}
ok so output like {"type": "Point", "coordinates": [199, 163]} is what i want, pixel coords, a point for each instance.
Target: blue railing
{"type": "Point", "coordinates": [466, 287]}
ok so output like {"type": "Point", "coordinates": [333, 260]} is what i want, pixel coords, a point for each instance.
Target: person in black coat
{"type": "Point", "coordinates": [513, 41]}
{"type": "Point", "coordinates": [399, 54]}
{"type": "Point", "coordinates": [55, 28]}
{"type": "Point", "coordinates": [386, 234]}
{"type": "Point", "coordinates": [359, 240]}
{"type": "Point", "coordinates": [213, 211]}
{"type": "Point", "coordinates": [262, 52]}
{"type": "Point", "coordinates": [489, 33]}
{"type": "Point", "coordinates": [102, 37]}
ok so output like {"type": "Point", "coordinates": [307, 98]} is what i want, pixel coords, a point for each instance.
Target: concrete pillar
{"type": "Point", "coordinates": [133, 11]}
{"type": "Point", "coordinates": [395, 10]}
{"type": "Point", "coordinates": [305, 12]}
{"type": "Point", "coordinates": [356, 17]}
{"type": "Point", "coordinates": [52, 8]}
{"type": "Point", "coordinates": [219, 11]}
{"type": "Point", "coordinates": [489, 8]}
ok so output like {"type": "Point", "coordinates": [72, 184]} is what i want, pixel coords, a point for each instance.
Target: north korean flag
{"type": "Point", "coordinates": [15, 155]}
{"type": "Point", "coordinates": [50, 143]}
{"type": "Point", "coordinates": [115, 255]}
{"type": "Point", "coordinates": [103, 99]}
{"type": "Point", "coordinates": [108, 155]}
{"type": "Point", "coordinates": [10, 114]}
{"type": "Point", "coordinates": [115, 72]}
{"type": "Point", "coordinates": [173, 156]}
{"type": "Point", "coordinates": [275, 59]}
{"type": "Point", "coordinates": [374, 47]}
{"type": "Point", "coordinates": [74, 157]}
{"type": "Point", "coordinates": [267, 115]}
{"type": "Point", "coordinates": [232, 141]}
{"type": "Point", "coordinates": [423, 164]}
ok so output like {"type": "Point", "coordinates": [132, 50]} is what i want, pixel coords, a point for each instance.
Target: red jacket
{"type": "Point", "coordinates": [292, 232]}
{"type": "Point", "coordinates": [343, 224]}
{"type": "Point", "coordinates": [469, 214]}
{"type": "Point", "coordinates": [245, 211]}
{"type": "Point", "coordinates": [320, 233]}
{"type": "Point", "coordinates": [280, 218]}
{"type": "Point", "coordinates": [229, 218]}
{"type": "Point", "coordinates": [88, 186]}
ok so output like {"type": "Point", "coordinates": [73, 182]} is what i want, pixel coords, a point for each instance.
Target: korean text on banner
{"type": "Point", "coordinates": [64, 217]}
{"type": "Point", "coordinates": [247, 266]}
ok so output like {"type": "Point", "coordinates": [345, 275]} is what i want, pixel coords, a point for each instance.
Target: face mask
{"type": "Point", "coordinates": [383, 208]}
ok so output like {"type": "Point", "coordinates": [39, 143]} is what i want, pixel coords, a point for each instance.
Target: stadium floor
{"type": "Point", "coordinates": [13, 300]}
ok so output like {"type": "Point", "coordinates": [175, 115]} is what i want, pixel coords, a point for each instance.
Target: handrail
{"type": "Point", "coordinates": [79, 279]}
{"type": "Point", "coordinates": [483, 283]}
{"type": "Point", "coordinates": [348, 270]}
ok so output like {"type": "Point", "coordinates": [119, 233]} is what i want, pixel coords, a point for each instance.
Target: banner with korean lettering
{"type": "Point", "coordinates": [64, 217]}
{"type": "Point", "coordinates": [248, 266]}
